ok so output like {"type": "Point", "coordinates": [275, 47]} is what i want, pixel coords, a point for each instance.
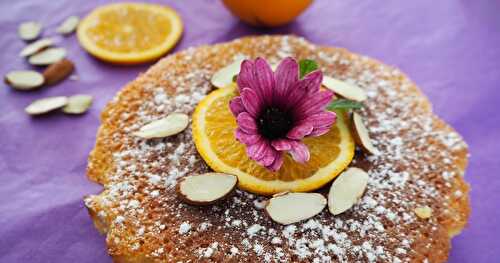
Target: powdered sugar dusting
{"type": "Point", "coordinates": [375, 230]}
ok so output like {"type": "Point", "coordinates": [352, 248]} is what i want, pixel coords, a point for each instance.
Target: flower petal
{"type": "Point", "coordinates": [247, 123]}
{"type": "Point", "coordinates": [282, 144]}
{"type": "Point", "coordinates": [300, 152]}
{"type": "Point", "coordinates": [322, 119]}
{"type": "Point", "coordinates": [246, 138]}
{"type": "Point", "coordinates": [303, 89]}
{"type": "Point", "coordinates": [286, 75]}
{"type": "Point", "coordinates": [258, 150]}
{"type": "Point", "coordinates": [246, 76]}
{"type": "Point", "coordinates": [236, 106]}
{"type": "Point", "coordinates": [265, 79]}
{"type": "Point", "coordinates": [314, 103]}
{"type": "Point", "coordinates": [268, 157]}
{"type": "Point", "coordinates": [313, 81]}
{"type": "Point", "coordinates": [300, 131]}
{"type": "Point", "coordinates": [322, 122]}
{"type": "Point", "coordinates": [278, 162]}
{"type": "Point", "coordinates": [319, 132]}
{"type": "Point", "coordinates": [251, 101]}
{"type": "Point", "coordinates": [295, 94]}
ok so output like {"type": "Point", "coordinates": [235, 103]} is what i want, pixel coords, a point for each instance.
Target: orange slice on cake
{"type": "Point", "coordinates": [213, 132]}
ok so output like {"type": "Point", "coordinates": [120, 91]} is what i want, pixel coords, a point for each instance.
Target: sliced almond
{"type": "Point", "coordinates": [29, 30]}
{"type": "Point", "coordinates": [36, 47]}
{"type": "Point", "coordinates": [423, 212]}
{"type": "Point", "coordinates": [58, 71]}
{"type": "Point", "coordinates": [361, 135]}
{"type": "Point", "coordinates": [78, 104]}
{"type": "Point", "coordinates": [207, 188]}
{"type": "Point", "coordinates": [45, 105]}
{"type": "Point", "coordinates": [24, 79]}
{"type": "Point", "coordinates": [69, 25]}
{"type": "Point", "coordinates": [344, 89]}
{"type": "Point", "coordinates": [48, 56]}
{"type": "Point", "coordinates": [294, 207]}
{"type": "Point", "coordinates": [224, 76]}
{"type": "Point", "coordinates": [170, 125]}
{"type": "Point", "coordinates": [346, 190]}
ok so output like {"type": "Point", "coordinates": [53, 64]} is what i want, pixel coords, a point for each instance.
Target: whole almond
{"type": "Point", "coordinates": [58, 71]}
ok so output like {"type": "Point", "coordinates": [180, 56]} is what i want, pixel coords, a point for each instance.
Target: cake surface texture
{"type": "Point", "coordinates": [421, 163]}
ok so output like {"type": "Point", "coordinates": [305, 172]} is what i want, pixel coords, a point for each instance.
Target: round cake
{"type": "Point", "coordinates": [420, 164]}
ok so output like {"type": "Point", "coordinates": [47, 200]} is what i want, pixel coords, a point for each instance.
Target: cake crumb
{"type": "Point", "coordinates": [423, 212]}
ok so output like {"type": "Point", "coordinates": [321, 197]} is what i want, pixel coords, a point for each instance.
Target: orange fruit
{"type": "Point", "coordinates": [130, 33]}
{"type": "Point", "coordinates": [267, 13]}
{"type": "Point", "coordinates": [213, 134]}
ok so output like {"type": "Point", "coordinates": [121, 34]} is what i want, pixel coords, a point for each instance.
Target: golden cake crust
{"type": "Point", "coordinates": [422, 162]}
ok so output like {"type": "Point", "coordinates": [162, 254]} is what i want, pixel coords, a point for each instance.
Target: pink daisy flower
{"type": "Point", "coordinates": [276, 110]}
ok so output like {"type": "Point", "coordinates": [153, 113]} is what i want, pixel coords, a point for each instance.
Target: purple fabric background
{"type": "Point", "coordinates": [450, 48]}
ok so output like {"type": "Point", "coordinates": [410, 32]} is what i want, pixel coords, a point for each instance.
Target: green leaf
{"type": "Point", "coordinates": [344, 104]}
{"type": "Point", "coordinates": [235, 77]}
{"type": "Point", "coordinates": [306, 66]}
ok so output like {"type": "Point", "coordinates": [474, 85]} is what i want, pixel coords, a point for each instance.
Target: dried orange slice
{"type": "Point", "coordinates": [130, 33]}
{"type": "Point", "coordinates": [213, 133]}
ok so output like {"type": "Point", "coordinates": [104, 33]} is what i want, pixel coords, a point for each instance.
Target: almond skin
{"type": "Point", "coordinates": [58, 71]}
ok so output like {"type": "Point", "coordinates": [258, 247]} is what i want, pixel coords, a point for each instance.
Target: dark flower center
{"type": "Point", "coordinates": [274, 123]}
